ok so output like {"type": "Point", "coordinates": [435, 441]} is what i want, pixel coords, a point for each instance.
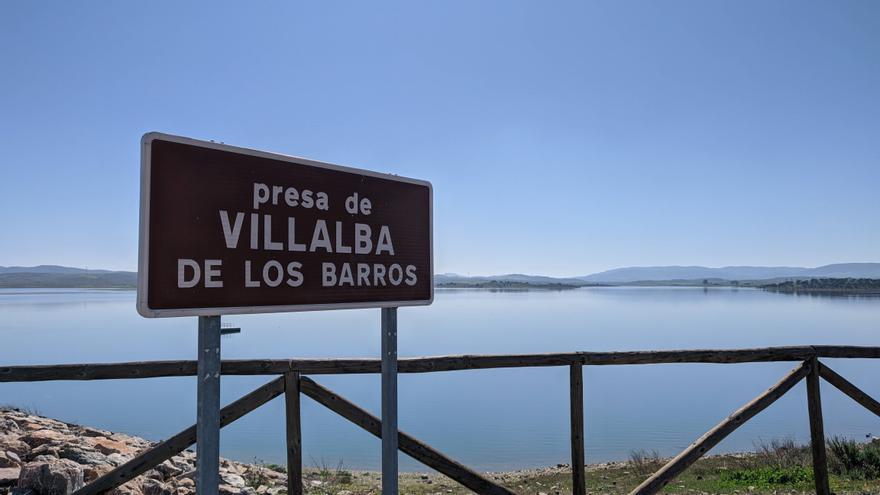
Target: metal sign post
{"type": "Point", "coordinates": [208, 407]}
{"type": "Point", "coordinates": [389, 401]}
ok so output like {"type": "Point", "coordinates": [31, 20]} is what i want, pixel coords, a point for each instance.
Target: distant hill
{"type": "Point", "coordinates": [665, 273]}
{"type": "Point", "coordinates": [505, 285]}
{"type": "Point", "coordinates": [847, 270]}
{"type": "Point", "coordinates": [677, 275]}
{"type": "Point", "coordinates": [78, 278]}
{"type": "Point", "coordinates": [453, 278]}
{"type": "Point", "coordinates": [48, 269]}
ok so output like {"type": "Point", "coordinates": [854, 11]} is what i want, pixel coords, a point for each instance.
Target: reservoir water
{"type": "Point", "coordinates": [489, 419]}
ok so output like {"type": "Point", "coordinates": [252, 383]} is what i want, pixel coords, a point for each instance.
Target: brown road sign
{"type": "Point", "coordinates": [226, 230]}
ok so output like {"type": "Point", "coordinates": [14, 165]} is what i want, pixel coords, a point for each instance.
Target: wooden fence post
{"type": "Point", "coordinates": [817, 429]}
{"type": "Point", "coordinates": [576, 394]}
{"type": "Point", "coordinates": [294, 436]}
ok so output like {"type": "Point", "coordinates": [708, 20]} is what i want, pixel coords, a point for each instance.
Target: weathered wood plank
{"type": "Point", "coordinates": [167, 449]}
{"type": "Point", "coordinates": [407, 444]}
{"type": "Point", "coordinates": [156, 369]}
{"type": "Point", "coordinates": [719, 356]}
{"type": "Point", "coordinates": [847, 351]}
{"type": "Point", "coordinates": [576, 403]}
{"type": "Point", "coordinates": [844, 385]}
{"type": "Point", "coordinates": [682, 461]}
{"type": "Point", "coordinates": [817, 430]}
{"type": "Point", "coordinates": [97, 371]}
{"type": "Point", "coordinates": [294, 434]}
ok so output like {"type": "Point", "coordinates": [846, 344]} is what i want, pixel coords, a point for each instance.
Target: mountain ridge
{"type": "Point", "coordinates": [733, 272]}
{"type": "Point", "coordinates": [53, 269]}
{"type": "Point", "coordinates": [43, 276]}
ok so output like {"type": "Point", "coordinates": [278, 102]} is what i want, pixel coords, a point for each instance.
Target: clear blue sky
{"type": "Point", "coordinates": [562, 138]}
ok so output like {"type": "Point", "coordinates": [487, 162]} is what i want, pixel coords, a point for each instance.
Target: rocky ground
{"type": "Point", "coordinates": [42, 456]}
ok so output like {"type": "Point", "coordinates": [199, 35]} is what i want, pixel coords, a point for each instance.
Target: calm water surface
{"type": "Point", "coordinates": [489, 419]}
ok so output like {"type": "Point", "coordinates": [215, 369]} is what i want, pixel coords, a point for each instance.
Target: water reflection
{"type": "Point", "coordinates": [833, 295]}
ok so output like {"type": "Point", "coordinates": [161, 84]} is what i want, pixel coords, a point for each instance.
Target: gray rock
{"type": "Point", "coordinates": [81, 456]}
{"type": "Point", "coordinates": [94, 432]}
{"type": "Point", "coordinates": [45, 436]}
{"type": "Point", "coordinates": [13, 444]}
{"type": "Point", "coordinates": [155, 487]}
{"type": "Point", "coordinates": [94, 471]}
{"type": "Point", "coordinates": [9, 459]}
{"type": "Point", "coordinates": [154, 474]}
{"type": "Point", "coordinates": [126, 489]}
{"type": "Point", "coordinates": [56, 477]}
{"type": "Point", "coordinates": [184, 484]}
{"type": "Point", "coordinates": [191, 474]}
{"type": "Point", "coordinates": [229, 490]}
{"type": "Point", "coordinates": [8, 425]}
{"type": "Point", "coordinates": [44, 451]}
{"type": "Point", "coordinates": [232, 480]}
{"type": "Point", "coordinates": [9, 475]}
{"type": "Point", "coordinates": [168, 469]}
{"type": "Point", "coordinates": [117, 459]}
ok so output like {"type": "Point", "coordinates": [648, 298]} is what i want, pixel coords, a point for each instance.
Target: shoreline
{"type": "Point", "coordinates": [40, 455]}
{"type": "Point", "coordinates": [506, 287]}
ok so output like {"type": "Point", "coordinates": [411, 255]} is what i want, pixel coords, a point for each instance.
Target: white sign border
{"type": "Point", "coordinates": [143, 234]}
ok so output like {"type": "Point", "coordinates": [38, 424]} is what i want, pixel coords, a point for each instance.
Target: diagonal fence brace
{"type": "Point", "coordinates": [167, 449]}
{"type": "Point", "coordinates": [845, 386]}
{"type": "Point", "coordinates": [407, 444]}
{"type": "Point", "coordinates": [703, 444]}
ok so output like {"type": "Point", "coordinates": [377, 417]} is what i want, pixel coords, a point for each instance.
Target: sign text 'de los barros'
{"type": "Point", "coordinates": [228, 230]}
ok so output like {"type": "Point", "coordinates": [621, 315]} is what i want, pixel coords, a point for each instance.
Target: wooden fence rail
{"type": "Point", "coordinates": [292, 384]}
{"type": "Point", "coordinates": [159, 369]}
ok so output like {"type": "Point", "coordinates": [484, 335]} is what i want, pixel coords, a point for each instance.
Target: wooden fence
{"type": "Point", "coordinates": [292, 383]}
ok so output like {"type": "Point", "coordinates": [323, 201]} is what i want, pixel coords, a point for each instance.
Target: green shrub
{"type": "Point", "coordinates": [768, 476]}
{"type": "Point", "coordinates": [853, 459]}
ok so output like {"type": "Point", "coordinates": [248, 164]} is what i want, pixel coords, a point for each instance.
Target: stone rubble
{"type": "Point", "coordinates": [42, 456]}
